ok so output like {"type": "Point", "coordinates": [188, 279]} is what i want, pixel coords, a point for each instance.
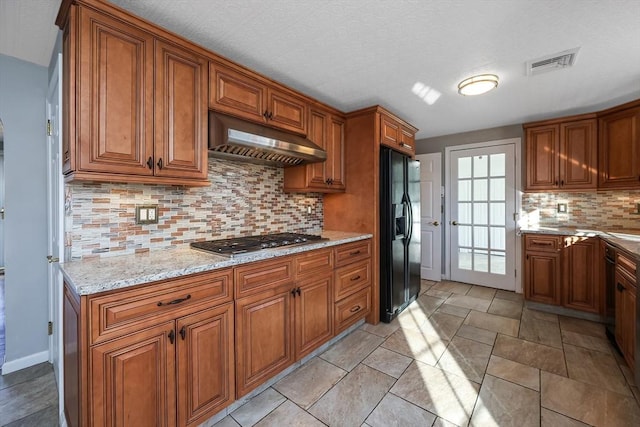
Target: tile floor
{"type": "Point", "coordinates": [460, 355]}
{"type": "Point", "coordinates": [29, 397]}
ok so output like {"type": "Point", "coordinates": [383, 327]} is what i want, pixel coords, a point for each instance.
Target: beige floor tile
{"type": "Point", "coordinates": [482, 292]}
{"type": "Point", "coordinates": [447, 395]}
{"type": "Point", "coordinates": [509, 295]}
{"type": "Point", "coordinates": [258, 407]}
{"type": "Point", "coordinates": [491, 322]}
{"type": "Point", "coordinates": [586, 403]}
{"type": "Point", "coordinates": [452, 287]}
{"type": "Point", "coordinates": [594, 367]}
{"type": "Point", "coordinates": [289, 415]}
{"type": "Point", "coordinates": [477, 334]}
{"type": "Point", "coordinates": [352, 399]}
{"type": "Point", "coordinates": [465, 358]}
{"type": "Point", "coordinates": [636, 393]}
{"type": "Point", "coordinates": [351, 350]}
{"type": "Point", "coordinates": [553, 419]}
{"type": "Point", "coordinates": [515, 372]}
{"type": "Point", "coordinates": [443, 325]}
{"type": "Point", "coordinates": [307, 384]}
{"type": "Point", "coordinates": [581, 326]}
{"type": "Point", "coordinates": [438, 294]}
{"type": "Point", "coordinates": [28, 397]}
{"type": "Point", "coordinates": [416, 345]}
{"type": "Point", "coordinates": [393, 411]}
{"type": "Point", "coordinates": [504, 404]}
{"type": "Point", "coordinates": [387, 361]}
{"type": "Point", "coordinates": [540, 315]}
{"type": "Point", "coordinates": [537, 355]}
{"type": "Point", "coordinates": [586, 341]}
{"type": "Point", "coordinates": [381, 329]}
{"type": "Point", "coordinates": [227, 421]}
{"type": "Point", "coordinates": [441, 422]}
{"type": "Point", "coordinates": [472, 303]}
{"type": "Point", "coordinates": [425, 285]}
{"type": "Point", "coordinates": [416, 314]}
{"type": "Point", "coordinates": [540, 331]}
{"type": "Point", "coordinates": [506, 308]}
{"type": "Point", "coordinates": [628, 375]}
{"type": "Point", "coordinates": [453, 310]}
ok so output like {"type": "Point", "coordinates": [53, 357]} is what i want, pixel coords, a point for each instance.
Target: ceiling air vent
{"type": "Point", "coordinates": [557, 61]}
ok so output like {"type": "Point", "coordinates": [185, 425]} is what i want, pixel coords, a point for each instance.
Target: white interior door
{"type": "Point", "coordinates": [431, 215]}
{"type": "Point", "coordinates": [1, 211]}
{"type": "Point", "coordinates": [54, 223]}
{"type": "Point", "coordinates": [482, 211]}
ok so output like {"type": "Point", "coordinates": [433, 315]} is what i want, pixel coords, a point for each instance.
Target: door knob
{"type": "Point", "coordinates": [454, 222]}
{"type": "Point", "coordinates": [52, 259]}
{"type": "Point", "coordinates": [2, 213]}
{"type": "Point", "coordinates": [435, 223]}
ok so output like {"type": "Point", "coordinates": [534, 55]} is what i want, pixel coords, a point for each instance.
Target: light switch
{"type": "Point", "coordinates": [562, 208]}
{"type": "Point", "coordinates": [147, 214]}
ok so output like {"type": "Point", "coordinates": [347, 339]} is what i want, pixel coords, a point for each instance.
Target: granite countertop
{"type": "Point", "coordinates": [628, 240]}
{"type": "Point", "coordinates": [98, 275]}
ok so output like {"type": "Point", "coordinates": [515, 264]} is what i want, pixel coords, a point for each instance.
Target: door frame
{"type": "Point", "coordinates": [54, 177]}
{"type": "Point", "coordinates": [517, 142]}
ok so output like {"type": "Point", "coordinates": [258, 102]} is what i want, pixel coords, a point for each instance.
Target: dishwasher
{"type": "Point", "coordinates": [610, 294]}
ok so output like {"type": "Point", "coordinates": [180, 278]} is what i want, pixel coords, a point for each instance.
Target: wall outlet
{"type": "Point", "coordinates": [562, 208]}
{"type": "Point", "coordinates": [147, 214]}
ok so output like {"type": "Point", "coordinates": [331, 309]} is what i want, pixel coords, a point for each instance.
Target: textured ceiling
{"type": "Point", "coordinates": [356, 53]}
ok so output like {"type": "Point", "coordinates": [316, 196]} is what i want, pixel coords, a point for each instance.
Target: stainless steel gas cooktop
{"type": "Point", "coordinates": [243, 245]}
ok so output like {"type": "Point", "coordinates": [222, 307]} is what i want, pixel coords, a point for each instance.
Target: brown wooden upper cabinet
{"type": "Point", "coordinates": [562, 154]}
{"type": "Point", "coordinates": [396, 135]}
{"type": "Point", "coordinates": [326, 129]}
{"type": "Point", "coordinates": [239, 92]}
{"type": "Point", "coordinates": [119, 125]}
{"type": "Point", "coordinates": [619, 153]}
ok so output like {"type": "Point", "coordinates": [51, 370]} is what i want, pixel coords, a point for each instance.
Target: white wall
{"type": "Point", "coordinates": [23, 88]}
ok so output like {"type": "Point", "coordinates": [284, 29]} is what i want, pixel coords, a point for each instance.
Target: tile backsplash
{"type": "Point", "coordinates": [611, 209]}
{"type": "Point", "coordinates": [243, 199]}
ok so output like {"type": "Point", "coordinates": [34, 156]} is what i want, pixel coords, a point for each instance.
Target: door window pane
{"type": "Point", "coordinates": [497, 164]}
{"type": "Point", "coordinates": [480, 213]}
{"type": "Point", "coordinates": [498, 191]}
{"type": "Point", "coordinates": [480, 237]}
{"type": "Point", "coordinates": [480, 261]}
{"type": "Point", "coordinates": [464, 259]}
{"type": "Point", "coordinates": [464, 167]}
{"type": "Point", "coordinates": [464, 235]}
{"type": "Point", "coordinates": [497, 213]}
{"type": "Point", "coordinates": [498, 238]}
{"type": "Point", "coordinates": [464, 190]}
{"type": "Point", "coordinates": [464, 213]}
{"type": "Point", "coordinates": [480, 166]}
{"type": "Point", "coordinates": [480, 189]}
{"type": "Point", "coordinates": [498, 263]}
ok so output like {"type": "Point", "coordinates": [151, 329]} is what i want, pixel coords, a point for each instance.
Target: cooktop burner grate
{"type": "Point", "coordinates": [243, 245]}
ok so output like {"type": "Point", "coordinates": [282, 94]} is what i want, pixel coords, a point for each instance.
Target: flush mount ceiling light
{"type": "Point", "coordinates": [477, 85]}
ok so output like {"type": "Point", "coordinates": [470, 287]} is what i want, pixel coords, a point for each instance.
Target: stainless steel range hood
{"type": "Point", "coordinates": [237, 139]}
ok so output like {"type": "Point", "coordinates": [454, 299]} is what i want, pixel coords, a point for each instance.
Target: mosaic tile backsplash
{"type": "Point", "coordinates": [612, 209]}
{"type": "Point", "coordinates": [243, 199]}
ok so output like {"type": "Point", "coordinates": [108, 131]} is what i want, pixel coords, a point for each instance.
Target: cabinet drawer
{"type": "Point", "coordinates": [542, 243]}
{"type": "Point", "coordinates": [352, 277]}
{"type": "Point", "coordinates": [258, 276]}
{"type": "Point", "coordinates": [626, 265]}
{"type": "Point", "coordinates": [314, 262]}
{"type": "Point", "coordinates": [351, 309]}
{"type": "Point", "coordinates": [351, 252]}
{"type": "Point", "coordinates": [122, 312]}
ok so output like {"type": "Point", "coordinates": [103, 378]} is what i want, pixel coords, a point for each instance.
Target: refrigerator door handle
{"type": "Point", "coordinates": [409, 219]}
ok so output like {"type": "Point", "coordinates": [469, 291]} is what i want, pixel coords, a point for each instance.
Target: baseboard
{"type": "Point", "coordinates": [25, 362]}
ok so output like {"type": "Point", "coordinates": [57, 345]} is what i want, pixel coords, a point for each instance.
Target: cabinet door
{"type": "Point", "coordinates": [578, 155]}
{"type": "Point", "coordinates": [287, 111]}
{"type": "Point", "coordinates": [619, 150]}
{"type": "Point", "coordinates": [335, 152]}
{"type": "Point", "coordinates": [313, 313]}
{"type": "Point", "coordinates": [629, 320]}
{"type": "Point", "coordinates": [133, 379]}
{"type": "Point", "coordinates": [389, 132]}
{"type": "Point", "coordinates": [542, 146]}
{"type": "Point", "coordinates": [581, 290]}
{"type": "Point", "coordinates": [115, 95]}
{"type": "Point", "coordinates": [407, 143]}
{"type": "Point", "coordinates": [263, 338]}
{"type": "Point", "coordinates": [317, 173]}
{"type": "Point", "coordinates": [205, 364]}
{"type": "Point", "coordinates": [236, 93]}
{"type": "Point", "coordinates": [542, 277]}
{"type": "Point", "coordinates": [180, 113]}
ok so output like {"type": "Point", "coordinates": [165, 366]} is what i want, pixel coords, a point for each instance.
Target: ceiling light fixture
{"type": "Point", "coordinates": [477, 85]}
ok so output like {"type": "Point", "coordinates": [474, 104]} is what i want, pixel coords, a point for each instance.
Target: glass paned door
{"type": "Point", "coordinates": [482, 226]}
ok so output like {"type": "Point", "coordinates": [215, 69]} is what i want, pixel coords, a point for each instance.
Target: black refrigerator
{"type": "Point", "coordinates": [399, 232]}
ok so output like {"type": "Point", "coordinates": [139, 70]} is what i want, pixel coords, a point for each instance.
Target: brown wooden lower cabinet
{"type": "Point", "coordinates": [313, 313]}
{"type": "Point", "coordinates": [542, 277]}
{"type": "Point", "coordinates": [625, 298]}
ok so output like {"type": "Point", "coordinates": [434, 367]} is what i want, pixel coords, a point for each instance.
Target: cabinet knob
{"type": "Point", "coordinates": [150, 162]}
{"type": "Point", "coordinates": [183, 332]}
{"type": "Point", "coordinates": [160, 163]}
{"type": "Point", "coordinates": [172, 336]}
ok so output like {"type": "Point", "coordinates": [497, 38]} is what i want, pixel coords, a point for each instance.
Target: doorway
{"type": "Point", "coordinates": [482, 212]}
{"type": "Point", "coordinates": [431, 216]}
